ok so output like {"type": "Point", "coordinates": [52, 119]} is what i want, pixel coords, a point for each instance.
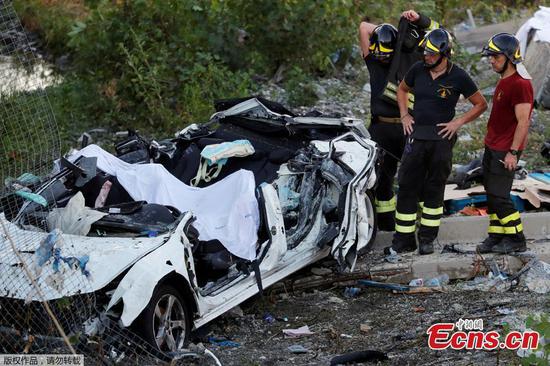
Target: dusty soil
{"type": "Point", "coordinates": [397, 325]}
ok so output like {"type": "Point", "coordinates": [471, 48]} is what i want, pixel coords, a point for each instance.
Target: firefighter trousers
{"type": "Point", "coordinates": [390, 137]}
{"type": "Point", "coordinates": [497, 180]}
{"type": "Point", "coordinates": [425, 167]}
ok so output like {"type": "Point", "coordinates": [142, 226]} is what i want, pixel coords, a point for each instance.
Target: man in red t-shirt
{"type": "Point", "coordinates": [505, 140]}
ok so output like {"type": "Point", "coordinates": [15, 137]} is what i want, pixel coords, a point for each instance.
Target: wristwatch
{"type": "Point", "coordinates": [514, 152]}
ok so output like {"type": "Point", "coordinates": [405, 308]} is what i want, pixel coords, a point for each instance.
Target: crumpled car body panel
{"type": "Point", "coordinates": [316, 206]}
{"type": "Point", "coordinates": [116, 254]}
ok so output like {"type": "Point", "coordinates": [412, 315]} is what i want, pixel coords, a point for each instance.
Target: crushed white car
{"type": "Point", "coordinates": [171, 235]}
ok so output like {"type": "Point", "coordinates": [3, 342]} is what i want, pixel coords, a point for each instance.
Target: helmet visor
{"type": "Point", "coordinates": [428, 52]}
{"type": "Point", "coordinates": [486, 51]}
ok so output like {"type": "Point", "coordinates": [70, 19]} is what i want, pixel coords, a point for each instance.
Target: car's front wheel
{"type": "Point", "coordinates": [165, 322]}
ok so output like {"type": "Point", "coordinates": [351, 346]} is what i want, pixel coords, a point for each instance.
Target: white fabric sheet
{"type": "Point", "coordinates": [75, 218]}
{"type": "Point", "coordinates": [539, 21]}
{"type": "Point", "coordinates": [226, 210]}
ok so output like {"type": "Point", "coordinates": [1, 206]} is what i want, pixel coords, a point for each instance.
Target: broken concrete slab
{"type": "Point", "coordinates": [456, 266]}
{"type": "Point", "coordinates": [473, 229]}
{"type": "Point", "coordinates": [536, 62]}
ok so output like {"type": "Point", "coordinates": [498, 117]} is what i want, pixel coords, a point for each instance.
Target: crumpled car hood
{"type": "Point", "coordinates": [107, 257]}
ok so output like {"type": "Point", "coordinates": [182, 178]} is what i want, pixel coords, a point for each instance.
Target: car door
{"type": "Point", "coordinates": [357, 228]}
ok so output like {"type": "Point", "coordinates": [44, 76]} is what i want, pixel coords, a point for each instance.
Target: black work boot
{"type": "Point", "coordinates": [511, 243]}
{"type": "Point", "coordinates": [487, 245]}
{"type": "Point", "coordinates": [426, 248]}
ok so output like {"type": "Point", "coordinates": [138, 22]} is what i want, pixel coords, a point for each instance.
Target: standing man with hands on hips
{"type": "Point", "coordinates": [431, 128]}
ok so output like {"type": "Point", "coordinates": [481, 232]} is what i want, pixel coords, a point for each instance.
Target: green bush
{"type": "Point", "coordinates": [294, 33]}
{"type": "Point", "coordinates": [52, 20]}
{"type": "Point", "coordinates": [158, 65]}
{"type": "Point", "coordinates": [29, 139]}
{"type": "Point", "coordinates": [149, 64]}
{"type": "Point", "coordinates": [300, 88]}
{"type": "Point", "coordinates": [540, 324]}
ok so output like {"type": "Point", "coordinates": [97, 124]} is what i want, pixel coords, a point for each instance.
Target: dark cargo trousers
{"type": "Point", "coordinates": [497, 180]}
{"type": "Point", "coordinates": [390, 137]}
{"type": "Point", "coordinates": [425, 167]}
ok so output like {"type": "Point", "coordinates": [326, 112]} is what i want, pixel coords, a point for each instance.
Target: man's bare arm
{"type": "Point", "coordinates": [365, 31]}
{"type": "Point", "coordinates": [523, 112]}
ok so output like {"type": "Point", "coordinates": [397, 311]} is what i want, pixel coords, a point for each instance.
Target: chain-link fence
{"type": "Point", "coordinates": [49, 302]}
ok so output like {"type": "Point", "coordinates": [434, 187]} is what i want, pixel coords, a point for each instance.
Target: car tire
{"type": "Point", "coordinates": [165, 323]}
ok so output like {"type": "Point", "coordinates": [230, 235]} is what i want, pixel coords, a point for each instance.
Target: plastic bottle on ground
{"type": "Point", "coordinates": [417, 282]}
{"type": "Point", "coordinates": [440, 280]}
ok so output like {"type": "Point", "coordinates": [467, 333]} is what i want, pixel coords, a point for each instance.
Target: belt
{"type": "Point", "coordinates": [388, 119]}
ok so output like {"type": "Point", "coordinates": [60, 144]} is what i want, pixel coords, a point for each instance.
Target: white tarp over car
{"type": "Point", "coordinates": [226, 210]}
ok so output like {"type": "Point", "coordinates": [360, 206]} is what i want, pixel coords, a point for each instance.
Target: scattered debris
{"type": "Point", "coordinates": [417, 282]}
{"type": "Point", "coordinates": [398, 288]}
{"type": "Point", "coordinates": [505, 311]}
{"type": "Point", "coordinates": [537, 278]}
{"type": "Point", "coordinates": [487, 283]}
{"type": "Point", "coordinates": [213, 356]}
{"type": "Point", "coordinates": [115, 356]}
{"type": "Point", "coordinates": [473, 211]}
{"type": "Point", "coordinates": [386, 286]}
{"type": "Point", "coordinates": [438, 281]}
{"type": "Point", "coordinates": [351, 292]}
{"type": "Point", "coordinates": [455, 248]}
{"type": "Point", "coordinates": [97, 325]}
{"type": "Point", "coordinates": [299, 332]}
{"type": "Point", "coordinates": [365, 328]}
{"type": "Point", "coordinates": [298, 349]}
{"type": "Point", "coordinates": [222, 342]}
{"type": "Point", "coordinates": [393, 257]}
{"type": "Point", "coordinates": [268, 318]}
{"type": "Point", "coordinates": [336, 300]}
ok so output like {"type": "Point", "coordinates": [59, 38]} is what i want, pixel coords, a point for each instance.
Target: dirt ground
{"type": "Point", "coordinates": [397, 325]}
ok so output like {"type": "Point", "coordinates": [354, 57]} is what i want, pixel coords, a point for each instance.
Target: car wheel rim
{"type": "Point", "coordinates": [169, 323]}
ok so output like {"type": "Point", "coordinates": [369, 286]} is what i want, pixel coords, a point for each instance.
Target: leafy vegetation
{"type": "Point", "coordinates": [540, 324]}
{"type": "Point", "coordinates": [158, 65]}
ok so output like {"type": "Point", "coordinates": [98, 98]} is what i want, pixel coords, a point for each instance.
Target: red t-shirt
{"type": "Point", "coordinates": [502, 124]}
